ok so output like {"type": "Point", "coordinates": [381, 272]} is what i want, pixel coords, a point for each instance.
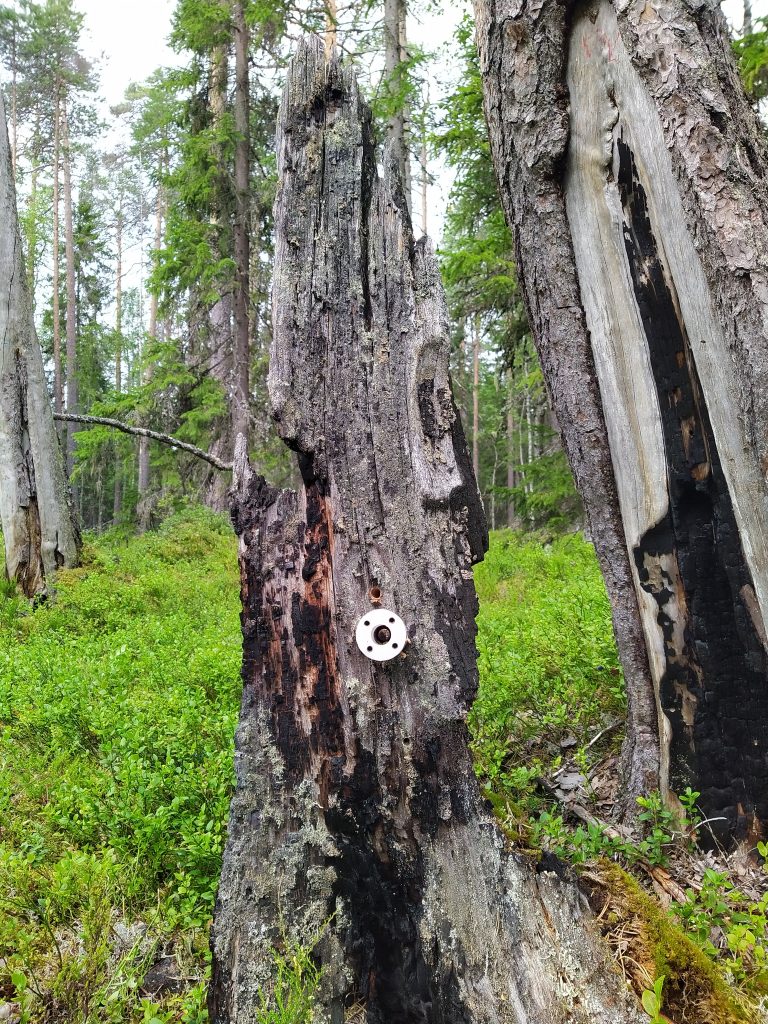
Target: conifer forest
{"type": "Point", "coordinates": [384, 512]}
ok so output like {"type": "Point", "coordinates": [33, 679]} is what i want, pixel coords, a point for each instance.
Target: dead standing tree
{"type": "Point", "coordinates": [633, 173]}
{"type": "Point", "coordinates": [356, 804]}
{"type": "Point", "coordinates": [39, 530]}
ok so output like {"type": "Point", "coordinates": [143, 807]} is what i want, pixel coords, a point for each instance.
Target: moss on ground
{"type": "Point", "coordinates": [647, 945]}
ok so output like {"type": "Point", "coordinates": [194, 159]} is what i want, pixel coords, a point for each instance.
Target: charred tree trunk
{"type": "Point", "coordinates": [36, 519]}
{"type": "Point", "coordinates": [356, 802]}
{"type": "Point", "coordinates": [633, 172]}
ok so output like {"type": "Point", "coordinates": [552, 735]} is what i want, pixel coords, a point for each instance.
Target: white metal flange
{"type": "Point", "coordinates": [381, 635]}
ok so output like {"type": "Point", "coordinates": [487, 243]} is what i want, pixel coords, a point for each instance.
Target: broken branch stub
{"type": "Point", "coordinates": [357, 816]}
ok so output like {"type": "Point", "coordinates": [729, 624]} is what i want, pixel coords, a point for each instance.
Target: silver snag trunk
{"type": "Point", "coordinates": [357, 822]}
{"type": "Point", "coordinates": [39, 530]}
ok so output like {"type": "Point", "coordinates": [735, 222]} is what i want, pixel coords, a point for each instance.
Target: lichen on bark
{"type": "Point", "coordinates": [356, 803]}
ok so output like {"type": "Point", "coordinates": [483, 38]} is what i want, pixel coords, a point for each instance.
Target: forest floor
{"type": "Point", "coordinates": [118, 705]}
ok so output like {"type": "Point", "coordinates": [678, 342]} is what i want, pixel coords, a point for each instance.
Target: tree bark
{"type": "Point", "coordinates": [58, 377]}
{"type": "Point", "coordinates": [220, 339]}
{"type": "Point", "coordinates": [476, 398]}
{"type": "Point", "coordinates": [633, 172]}
{"type": "Point", "coordinates": [424, 165]}
{"type": "Point", "coordinates": [153, 435]}
{"type": "Point", "coordinates": [143, 508]}
{"type": "Point", "coordinates": [117, 498]}
{"type": "Point", "coordinates": [357, 815]}
{"type": "Point", "coordinates": [241, 389]}
{"type": "Point", "coordinates": [512, 520]}
{"type": "Point", "coordinates": [747, 26]}
{"type": "Point", "coordinates": [394, 56]}
{"type": "Point", "coordinates": [69, 256]}
{"type": "Point", "coordinates": [331, 19]}
{"type": "Point", "coordinates": [39, 532]}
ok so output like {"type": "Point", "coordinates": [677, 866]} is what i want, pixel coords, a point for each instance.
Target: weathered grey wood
{"type": "Point", "coordinates": [357, 814]}
{"type": "Point", "coordinates": [39, 531]}
{"type": "Point", "coordinates": [153, 435]}
{"type": "Point", "coordinates": [633, 173]}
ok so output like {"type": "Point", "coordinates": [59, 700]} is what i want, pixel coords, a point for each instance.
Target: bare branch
{"type": "Point", "coordinates": [174, 442]}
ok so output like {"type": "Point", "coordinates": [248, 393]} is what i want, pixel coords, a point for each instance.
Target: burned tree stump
{"type": "Point", "coordinates": [357, 815]}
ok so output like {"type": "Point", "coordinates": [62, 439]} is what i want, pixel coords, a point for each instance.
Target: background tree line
{"type": "Point", "coordinates": [138, 250]}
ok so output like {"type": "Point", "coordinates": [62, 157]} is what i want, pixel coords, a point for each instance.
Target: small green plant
{"type": "Point", "coordinates": [290, 998]}
{"type": "Point", "coordinates": [660, 825]}
{"type": "Point", "coordinates": [720, 914]}
{"type": "Point", "coordinates": [24, 995]}
{"type": "Point", "coordinates": [692, 818]}
{"type": "Point", "coordinates": [652, 1002]}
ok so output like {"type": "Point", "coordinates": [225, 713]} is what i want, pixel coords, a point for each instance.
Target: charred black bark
{"type": "Point", "coordinates": [634, 177]}
{"type": "Point", "coordinates": [715, 691]}
{"type": "Point", "coordinates": [356, 814]}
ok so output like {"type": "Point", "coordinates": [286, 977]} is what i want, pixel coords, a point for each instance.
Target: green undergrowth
{"type": "Point", "coordinates": [118, 704]}
{"type": "Point", "coordinates": [550, 683]}
{"type": "Point", "coordinates": [549, 671]}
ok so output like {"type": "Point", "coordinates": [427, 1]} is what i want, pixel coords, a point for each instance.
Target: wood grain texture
{"type": "Point", "coordinates": [659, 267]}
{"type": "Point", "coordinates": [356, 803]}
{"type": "Point", "coordinates": [690, 491]}
{"type": "Point", "coordinates": [523, 47]}
{"type": "Point", "coordinates": [37, 522]}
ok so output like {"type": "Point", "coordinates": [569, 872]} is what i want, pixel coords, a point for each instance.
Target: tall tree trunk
{"type": "Point", "coordinates": [331, 18]}
{"type": "Point", "coordinates": [511, 513]}
{"type": "Point", "coordinates": [633, 172]}
{"type": "Point", "coordinates": [241, 390]}
{"type": "Point", "coordinates": [58, 378]}
{"type": "Point", "coordinates": [395, 17]}
{"type": "Point", "coordinates": [747, 26]}
{"type": "Point", "coordinates": [117, 498]}
{"type": "Point", "coordinates": [220, 339]}
{"type": "Point", "coordinates": [424, 165]}
{"type": "Point", "coordinates": [39, 532]}
{"type": "Point", "coordinates": [143, 509]}
{"type": "Point", "coordinates": [476, 398]}
{"type": "Point", "coordinates": [14, 96]}
{"type": "Point", "coordinates": [69, 255]}
{"type": "Point", "coordinates": [32, 228]}
{"type": "Point", "coordinates": [357, 815]}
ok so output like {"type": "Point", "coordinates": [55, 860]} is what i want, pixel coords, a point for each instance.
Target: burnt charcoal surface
{"type": "Point", "coordinates": [715, 688]}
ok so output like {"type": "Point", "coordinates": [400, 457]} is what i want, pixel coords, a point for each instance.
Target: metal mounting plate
{"type": "Point", "coordinates": [381, 634]}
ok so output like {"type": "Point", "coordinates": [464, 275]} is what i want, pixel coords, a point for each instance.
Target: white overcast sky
{"type": "Point", "coordinates": [130, 38]}
{"type": "Point", "coordinates": [129, 41]}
